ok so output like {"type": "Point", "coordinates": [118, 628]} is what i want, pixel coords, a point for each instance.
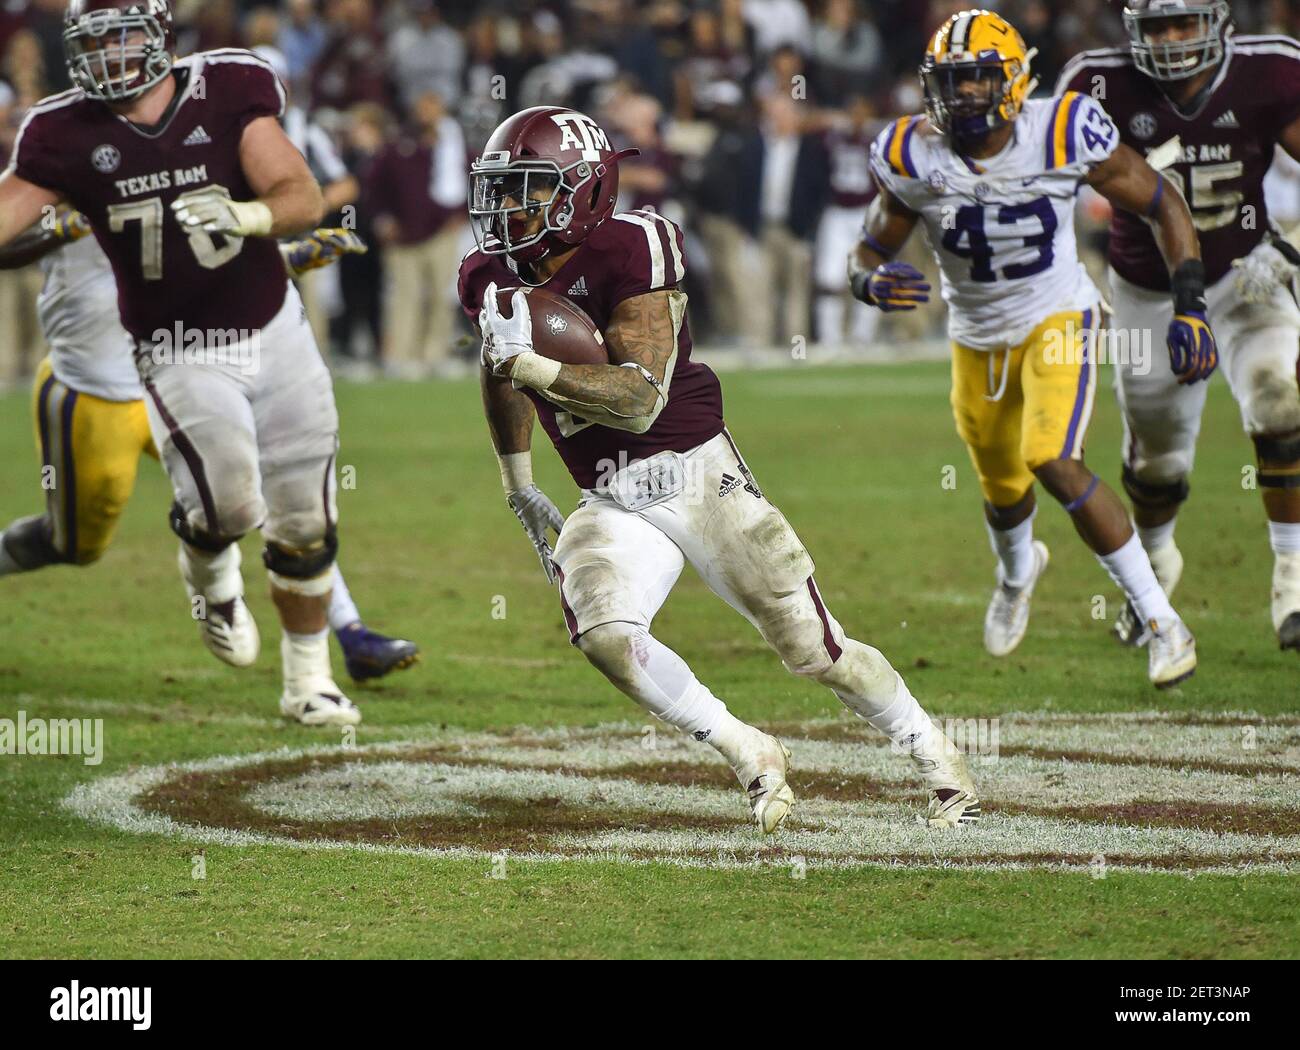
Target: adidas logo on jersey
{"type": "Point", "coordinates": [1226, 120]}
{"type": "Point", "coordinates": [729, 485]}
{"type": "Point", "coordinates": [197, 137]}
{"type": "Point", "coordinates": [579, 286]}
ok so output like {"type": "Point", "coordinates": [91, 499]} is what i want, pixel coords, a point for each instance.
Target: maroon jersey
{"type": "Point", "coordinates": [124, 178]}
{"type": "Point", "coordinates": [628, 254]}
{"type": "Point", "coordinates": [1228, 143]}
{"type": "Point", "coordinates": [849, 155]}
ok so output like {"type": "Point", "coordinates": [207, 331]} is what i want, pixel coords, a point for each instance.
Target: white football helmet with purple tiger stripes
{"type": "Point", "coordinates": [1176, 59]}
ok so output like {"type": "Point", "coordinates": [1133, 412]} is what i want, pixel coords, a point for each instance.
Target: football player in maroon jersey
{"type": "Point", "coordinates": [662, 481]}
{"type": "Point", "coordinates": [187, 178]}
{"type": "Point", "coordinates": [1216, 104]}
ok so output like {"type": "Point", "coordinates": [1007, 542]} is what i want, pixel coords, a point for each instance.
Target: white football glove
{"type": "Point", "coordinates": [212, 211]}
{"type": "Point", "coordinates": [536, 513]}
{"type": "Point", "coordinates": [505, 338]}
{"type": "Point", "coordinates": [1261, 273]}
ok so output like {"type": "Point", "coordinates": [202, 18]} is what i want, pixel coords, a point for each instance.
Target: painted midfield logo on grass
{"type": "Point", "coordinates": [1147, 791]}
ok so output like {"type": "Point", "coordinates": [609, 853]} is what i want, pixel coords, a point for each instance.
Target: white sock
{"type": "Point", "coordinates": [7, 564]}
{"type": "Point", "coordinates": [305, 656]}
{"type": "Point", "coordinates": [343, 610]}
{"type": "Point", "coordinates": [1014, 548]}
{"type": "Point", "coordinates": [662, 683]}
{"type": "Point", "coordinates": [830, 318]}
{"type": "Point", "coordinates": [1283, 537]}
{"type": "Point", "coordinates": [869, 686]}
{"type": "Point", "coordinates": [1131, 569]}
{"type": "Point", "coordinates": [215, 576]}
{"type": "Point", "coordinates": [1156, 537]}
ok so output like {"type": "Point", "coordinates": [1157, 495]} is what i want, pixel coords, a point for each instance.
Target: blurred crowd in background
{"type": "Point", "coordinates": [753, 119]}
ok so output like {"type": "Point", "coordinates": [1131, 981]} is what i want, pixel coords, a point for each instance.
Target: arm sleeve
{"type": "Point", "coordinates": [1284, 86]}
{"type": "Point", "coordinates": [259, 91]}
{"type": "Point", "coordinates": [645, 255]}
{"type": "Point", "coordinates": [36, 158]}
{"type": "Point", "coordinates": [1096, 136]}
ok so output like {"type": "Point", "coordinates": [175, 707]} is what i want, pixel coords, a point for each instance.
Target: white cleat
{"type": "Point", "coordinates": [318, 702]}
{"type": "Point", "coordinates": [1008, 613]}
{"type": "Point", "coordinates": [1286, 600]}
{"type": "Point", "coordinates": [1171, 654]}
{"type": "Point", "coordinates": [953, 802]}
{"type": "Point", "coordinates": [1167, 563]}
{"type": "Point", "coordinates": [761, 766]}
{"type": "Point", "coordinates": [228, 630]}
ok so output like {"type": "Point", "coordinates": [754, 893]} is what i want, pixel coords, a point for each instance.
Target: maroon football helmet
{"type": "Point", "coordinates": [546, 161]}
{"type": "Point", "coordinates": [117, 50]}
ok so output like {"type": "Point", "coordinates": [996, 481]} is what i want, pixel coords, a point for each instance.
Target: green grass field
{"type": "Point", "coordinates": [856, 459]}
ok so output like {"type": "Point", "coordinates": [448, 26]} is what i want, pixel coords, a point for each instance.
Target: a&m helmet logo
{"type": "Point", "coordinates": [106, 159]}
{"type": "Point", "coordinates": [578, 131]}
{"type": "Point", "coordinates": [557, 324]}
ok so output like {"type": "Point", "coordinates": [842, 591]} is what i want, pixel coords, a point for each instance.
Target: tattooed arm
{"type": "Point", "coordinates": [629, 392]}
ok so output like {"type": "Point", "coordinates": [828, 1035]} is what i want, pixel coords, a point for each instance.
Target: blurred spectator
{"type": "Point", "coordinates": [416, 191]}
{"type": "Point", "coordinates": [777, 23]}
{"type": "Point", "coordinates": [303, 37]}
{"type": "Point", "coordinates": [846, 52]}
{"type": "Point", "coordinates": [357, 330]}
{"type": "Point", "coordinates": [351, 67]}
{"type": "Point", "coordinates": [426, 55]}
{"type": "Point", "coordinates": [791, 188]}
{"type": "Point", "coordinates": [847, 144]}
{"type": "Point", "coordinates": [45, 20]}
{"type": "Point", "coordinates": [340, 189]}
{"type": "Point", "coordinates": [23, 66]}
{"type": "Point", "coordinates": [711, 60]}
{"type": "Point", "coordinates": [726, 198]}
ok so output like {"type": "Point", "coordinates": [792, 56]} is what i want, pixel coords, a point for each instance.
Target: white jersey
{"type": "Point", "coordinates": [89, 349]}
{"type": "Point", "coordinates": [1002, 228]}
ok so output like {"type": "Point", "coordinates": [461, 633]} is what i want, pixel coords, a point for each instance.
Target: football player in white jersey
{"type": "Point", "coordinates": [92, 428]}
{"type": "Point", "coordinates": [992, 178]}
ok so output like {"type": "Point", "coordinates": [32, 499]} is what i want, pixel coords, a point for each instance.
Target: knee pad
{"type": "Point", "coordinates": [197, 538]}
{"type": "Point", "coordinates": [612, 648]}
{"type": "Point", "coordinates": [1273, 403]}
{"type": "Point", "coordinates": [801, 646]}
{"type": "Point", "coordinates": [1154, 495]}
{"type": "Point", "coordinates": [299, 564]}
{"type": "Point", "coordinates": [1277, 456]}
{"type": "Point", "coordinates": [30, 542]}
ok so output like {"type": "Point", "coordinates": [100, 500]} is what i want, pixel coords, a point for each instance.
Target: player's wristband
{"type": "Point", "coordinates": [254, 218]}
{"type": "Point", "coordinates": [860, 285]}
{"type": "Point", "coordinates": [535, 371]}
{"type": "Point", "coordinates": [1189, 287]}
{"type": "Point", "coordinates": [516, 471]}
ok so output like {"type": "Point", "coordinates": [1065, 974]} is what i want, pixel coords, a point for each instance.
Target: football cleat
{"type": "Point", "coordinates": [762, 765]}
{"type": "Point", "coordinates": [953, 802]}
{"type": "Point", "coordinates": [1167, 563]}
{"type": "Point", "coordinates": [230, 632]}
{"type": "Point", "coordinates": [318, 702]}
{"type": "Point", "coordinates": [1008, 613]}
{"type": "Point", "coordinates": [368, 654]}
{"type": "Point", "coordinates": [1171, 654]}
{"type": "Point", "coordinates": [1286, 600]}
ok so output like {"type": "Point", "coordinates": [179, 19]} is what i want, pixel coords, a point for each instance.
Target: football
{"type": "Point", "coordinates": [561, 331]}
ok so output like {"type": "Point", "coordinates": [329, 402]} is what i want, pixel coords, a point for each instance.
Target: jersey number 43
{"type": "Point", "coordinates": [967, 238]}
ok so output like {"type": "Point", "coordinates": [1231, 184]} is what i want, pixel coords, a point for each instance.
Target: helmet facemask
{"type": "Point", "coordinates": [1177, 59]}
{"type": "Point", "coordinates": [965, 100]}
{"type": "Point", "coordinates": [115, 56]}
